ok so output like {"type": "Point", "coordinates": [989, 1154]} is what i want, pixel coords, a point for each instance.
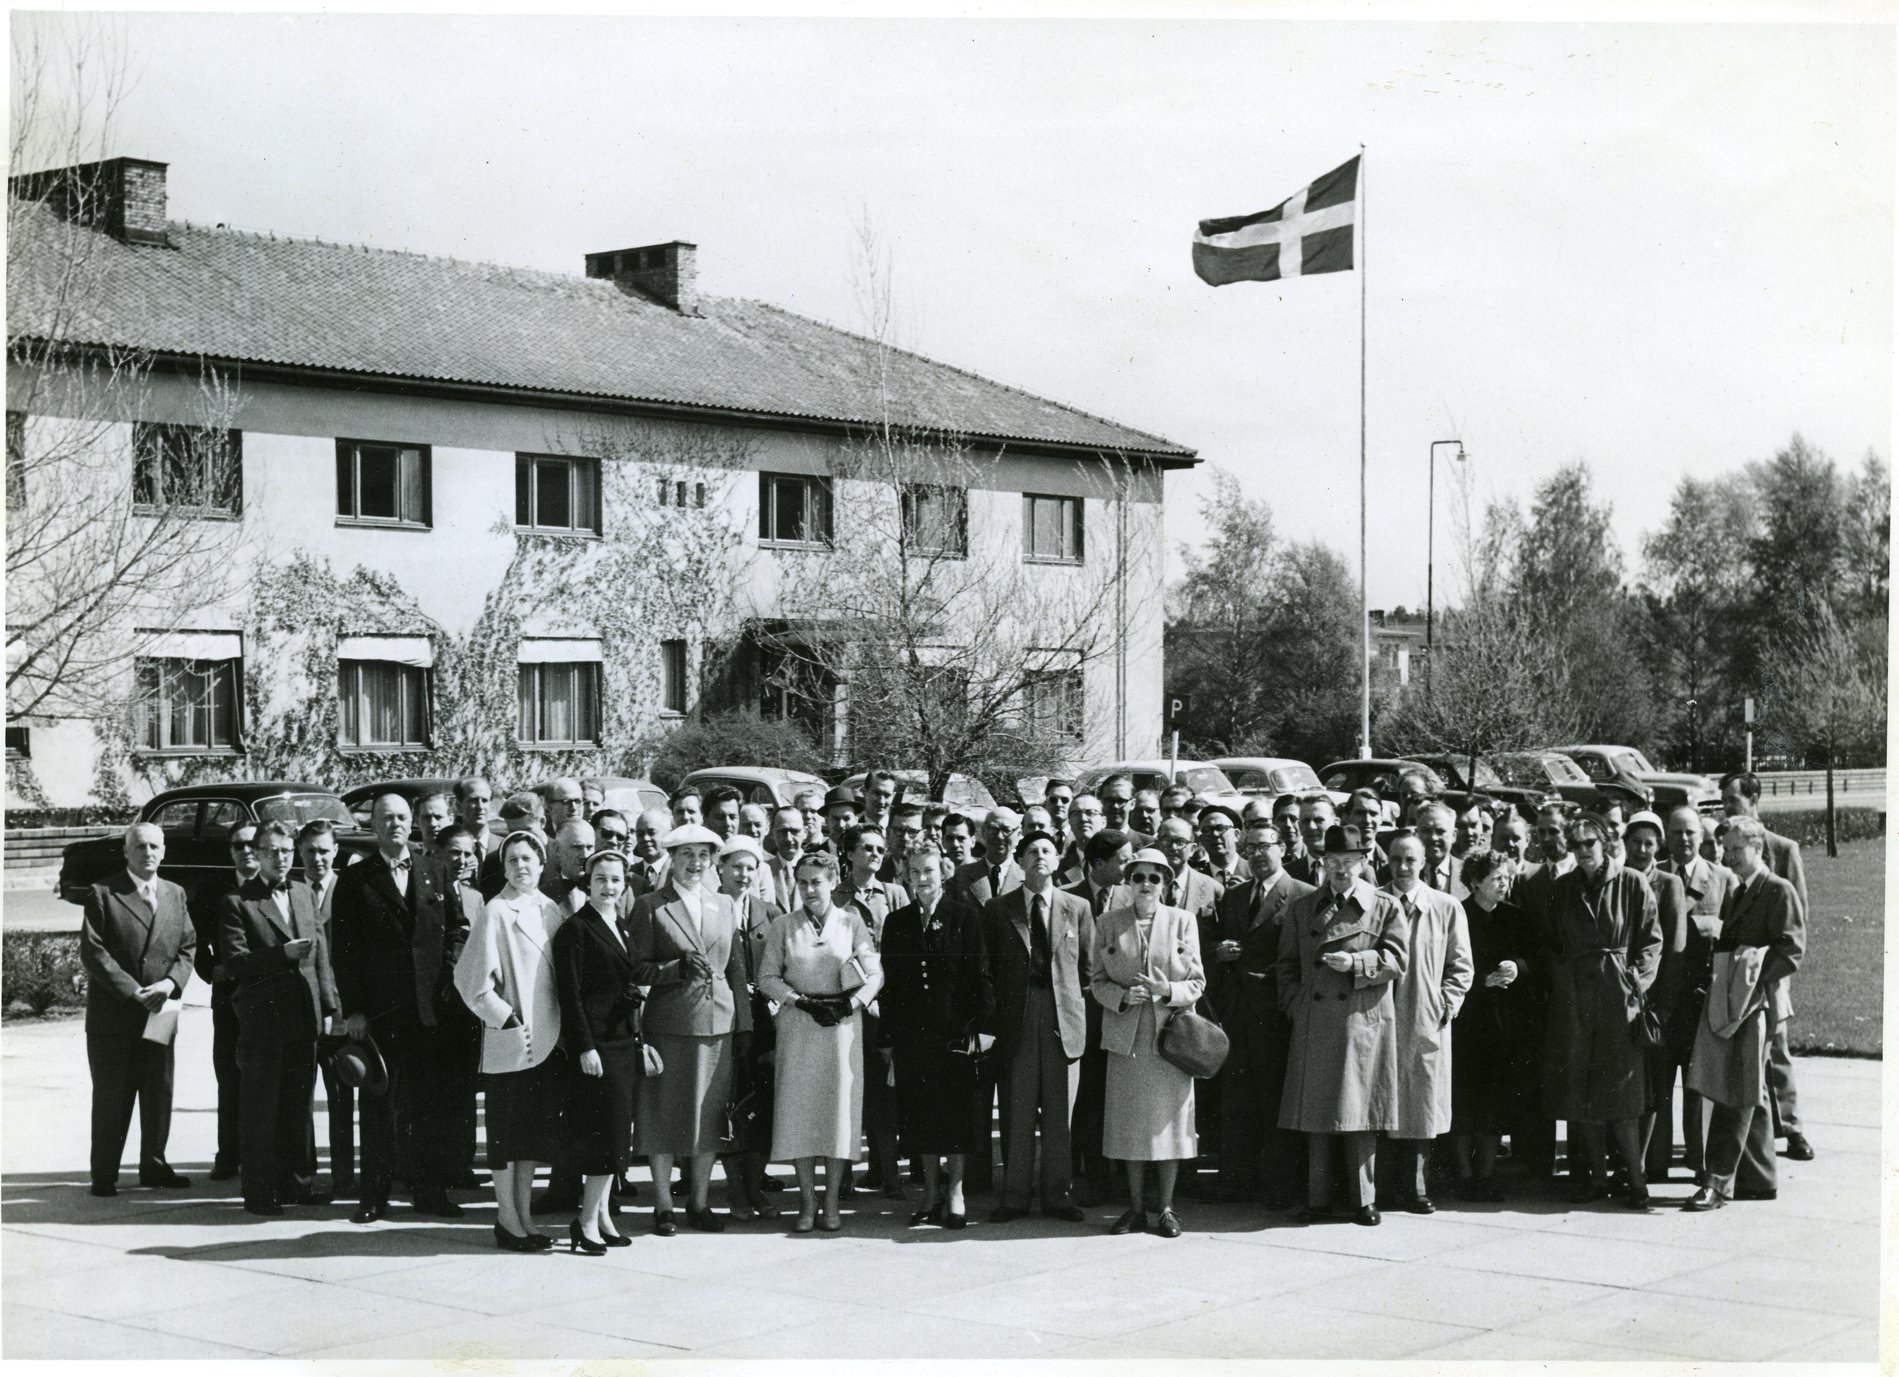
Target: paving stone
{"type": "Point", "coordinates": [128, 1287]}
{"type": "Point", "coordinates": [493, 1345]}
{"type": "Point", "coordinates": [1746, 1279]}
{"type": "Point", "coordinates": [32, 1333]}
{"type": "Point", "coordinates": [880, 1334]}
{"type": "Point", "coordinates": [1281, 1327]}
{"type": "Point", "coordinates": [1602, 1261]}
{"type": "Point", "coordinates": [1712, 1330]}
{"type": "Point", "coordinates": [688, 1316]}
{"type": "Point", "coordinates": [1450, 1294]}
{"type": "Point", "coordinates": [329, 1314]}
{"type": "Point", "coordinates": [1857, 1342]}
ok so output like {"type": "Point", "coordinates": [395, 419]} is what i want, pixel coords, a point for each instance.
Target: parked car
{"type": "Point", "coordinates": [1456, 772]}
{"type": "Point", "coordinates": [1343, 776]}
{"type": "Point", "coordinates": [1208, 782]}
{"type": "Point", "coordinates": [629, 796]}
{"type": "Point", "coordinates": [197, 820]}
{"type": "Point", "coordinates": [1270, 776]}
{"type": "Point", "coordinates": [1554, 774]}
{"type": "Point", "coordinates": [964, 794]}
{"type": "Point", "coordinates": [1628, 767]}
{"type": "Point", "coordinates": [361, 798]}
{"type": "Point", "coordinates": [756, 783]}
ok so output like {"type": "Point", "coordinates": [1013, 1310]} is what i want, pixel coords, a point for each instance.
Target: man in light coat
{"type": "Point", "coordinates": [1425, 998]}
{"type": "Point", "coordinates": [1705, 887]}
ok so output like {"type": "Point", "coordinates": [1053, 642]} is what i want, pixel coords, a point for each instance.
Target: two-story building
{"type": "Point", "coordinates": [469, 516]}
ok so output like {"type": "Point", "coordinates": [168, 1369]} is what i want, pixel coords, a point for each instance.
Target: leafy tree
{"type": "Point", "coordinates": [1825, 699]}
{"type": "Point", "coordinates": [1221, 618]}
{"type": "Point", "coordinates": [722, 738]}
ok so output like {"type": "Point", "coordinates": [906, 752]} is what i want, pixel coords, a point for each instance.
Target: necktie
{"type": "Point", "coordinates": [1101, 901]}
{"type": "Point", "coordinates": [995, 881]}
{"type": "Point", "coordinates": [1038, 934]}
{"type": "Point", "coordinates": [1173, 894]}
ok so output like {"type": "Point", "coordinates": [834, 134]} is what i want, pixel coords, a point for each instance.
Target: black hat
{"type": "Point", "coordinates": [1206, 808]}
{"type": "Point", "coordinates": [1342, 837]}
{"type": "Point", "coordinates": [843, 797]}
{"type": "Point", "coordinates": [360, 1064]}
{"type": "Point", "coordinates": [1036, 835]}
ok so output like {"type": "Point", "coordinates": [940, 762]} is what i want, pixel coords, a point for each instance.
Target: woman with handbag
{"type": "Point", "coordinates": [1608, 935]}
{"type": "Point", "coordinates": [685, 946]}
{"type": "Point", "coordinates": [938, 992]}
{"type": "Point", "coordinates": [1146, 959]}
{"type": "Point", "coordinates": [505, 975]}
{"type": "Point", "coordinates": [821, 968]}
{"type": "Point", "coordinates": [741, 860]}
{"type": "Point", "coordinates": [1493, 1080]}
{"type": "Point", "coordinates": [599, 1004]}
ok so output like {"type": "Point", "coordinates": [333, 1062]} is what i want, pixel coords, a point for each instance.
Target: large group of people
{"type": "Point", "coordinates": [863, 975]}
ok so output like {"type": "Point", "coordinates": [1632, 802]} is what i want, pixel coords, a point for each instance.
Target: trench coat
{"type": "Point", "coordinates": [1424, 1001]}
{"type": "Point", "coordinates": [1342, 1067]}
{"type": "Point", "coordinates": [1608, 937]}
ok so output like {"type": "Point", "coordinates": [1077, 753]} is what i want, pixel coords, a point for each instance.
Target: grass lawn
{"type": "Point", "coordinates": [1838, 994]}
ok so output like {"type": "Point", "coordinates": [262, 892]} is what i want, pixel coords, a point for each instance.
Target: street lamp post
{"type": "Point", "coordinates": [1430, 553]}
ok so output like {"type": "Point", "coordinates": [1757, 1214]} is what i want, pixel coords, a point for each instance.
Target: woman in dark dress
{"type": "Point", "coordinates": [1493, 1079]}
{"type": "Point", "coordinates": [599, 1020]}
{"type": "Point", "coordinates": [740, 860]}
{"type": "Point", "coordinates": [937, 992]}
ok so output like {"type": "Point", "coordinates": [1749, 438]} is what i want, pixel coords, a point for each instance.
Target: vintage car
{"type": "Point", "coordinates": [1456, 772]}
{"type": "Point", "coordinates": [963, 794]}
{"type": "Point", "coordinates": [1556, 775]}
{"type": "Point", "coordinates": [1628, 767]}
{"type": "Point", "coordinates": [197, 819]}
{"type": "Point", "coordinates": [774, 788]}
{"type": "Point", "coordinates": [1208, 782]}
{"type": "Point", "coordinates": [360, 798]}
{"type": "Point", "coordinates": [1269, 776]}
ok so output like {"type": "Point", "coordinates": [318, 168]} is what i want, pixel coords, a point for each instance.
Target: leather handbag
{"type": "Point", "coordinates": [1196, 1045]}
{"type": "Point", "coordinates": [1645, 1028]}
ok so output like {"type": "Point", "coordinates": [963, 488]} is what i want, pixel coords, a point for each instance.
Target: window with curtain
{"type": "Point", "coordinates": [936, 519]}
{"type": "Point", "coordinates": [1055, 705]}
{"type": "Point", "coordinates": [794, 509]}
{"type": "Point", "coordinates": [557, 495]}
{"type": "Point", "coordinates": [186, 706]}
{"type": "Point", "coordinates": [382, 706]}
{"type": "Point", "coordinates": [189, 469]}
{"type": "Point", "coordinates": [672, 676]}
{"type": "Point", "coordinates": [382, 484]}
{"type": "Point", "coordinates": [560, 704]}
{"type": "Point", "coordinates": [1051, 529]}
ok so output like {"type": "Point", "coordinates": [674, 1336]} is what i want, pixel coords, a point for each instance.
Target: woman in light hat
{"type": "Point", "coordinates": [741, 862]}
{"type": "Point", "coordinates": [1146, 960]}
{"type": "Point", "coordinates": [685, 945]}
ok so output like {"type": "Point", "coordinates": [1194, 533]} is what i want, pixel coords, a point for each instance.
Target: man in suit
{"type": "Point", "coordinates": [995, 874]}
{"type": "Point", "coordinates": [275, 953]}
{"type": "Point", "coordinates": [1643, 839]}
{"type": "Point", "coordinates": [1741, 797]}
{"type": "Point", "coordinates": [864, 851]}
{"type": "Point", "coordinates": [1117, 800]}
{"type": "Point", "coordinates": [316, 848]}
{"type": "Point", "coordinates": [1705, 887]}
{"type": "Point", "coordinates": [1762, 910]}
{"type": "Point", "coordinates": [1511, 836]}
{"type": "Point", "coordinates": [1366, 811]}
{"type": "Point", "coordinates": [649, 857]}
{"type": "Point", "coordinates": [881, 792]}
{"type": "Point", "coordinates": [207, 909]}
{"type": "Point", "coordinates": [1534, 891]}
{"type": "Point", "coordinates": [842, 809]}
{"type": "Point", "coordinates": [1039, 940]}
{"type": "Point", "coordinates": [958, 840]}
{"type": "Point", "coordinates": [460, 1030]}
{"type": "Point", "coordinates": [1317, 816]}
{"type": "Point", "coordinates": [566, 801]}
{"type": "Point", "coordinates": [472, 797]}
{"type": "Point", "coordinates": [1220, 856]}
{"type": "Point", "coordinates": [1437, 826]}
{"type": "Point", "coordinates": [1085, 818]}
{"type": "Point", "coordinates": [1258, 1159]}
{"type": "Point", "coordinates": [1285, 810]}
{"type": "Point", "coordinates": [564, 880]}
{"type": "Point", "coordinates": [906, 829]}
{"type": "Point", "coordinates": [1476, 822]}
{"type": "Point", "coordinates": [721, 807]}
{"type": "Point", "coordinates": [397, 939]}
{"type": "Point", "coordinates": [433, 812]}
{"type": "Point", "coordinates": [1104, 857]}
{"type": "Point", "coordinates": [1191, 889]}
{"type": "Point", "coordinates": [1144, 816]}
{"type": "Point", "coordinates": [136, 942]}
{"type": "Point", "coordinates": [787, 844]}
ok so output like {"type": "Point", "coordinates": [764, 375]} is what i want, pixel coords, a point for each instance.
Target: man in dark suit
{"type": "Point", "coordinates": [1104, 856]}
{"type": "Point", "coordinates": [982, 880]}
{"type": "Point", "coordinates": [275, 953]}
{"type": "Point", "coordinates": [136, 943]}
{"type": "Point", "coordinates": [1762, 910]}
{"type": "Point", "coordinates": [1316, 815]}
{"type": "Point", "coordinates": [397, 938]}
{"type": "Point", "coordinates": [1705, 887]}
{"type": "Point", "coordinates": [1039, 939]}
{"type": "Point", "coordinates": [316, 848]}
{"type": "Point", "coordinates": [207, 917]}
{"type": "Point", "coordinates": [1191, 889]}
{"type": "Point", "coordinates": [1220, 856]}
{"type": "Point", "coordinates": [473, 796]}
{"type": "Point", "coordinates": [1258, 1159]}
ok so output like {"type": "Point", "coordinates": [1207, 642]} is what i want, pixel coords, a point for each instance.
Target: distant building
{"type": "Point", "coordinates": [1397, 644]}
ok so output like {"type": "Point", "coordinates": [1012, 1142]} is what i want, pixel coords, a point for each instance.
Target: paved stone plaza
{"type": "Point", "coordinates": [188, 1275]}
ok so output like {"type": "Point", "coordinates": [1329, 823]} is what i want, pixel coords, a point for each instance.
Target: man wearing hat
{"type": "Point", "coordinates": [1343, 947]}
{"type": "Point", "coordinates": [1219, 855]}
{"type": "Point", "coordinates": [1643, 842]}
{"type": "Point", "coordinates": [1039, 939]}
{"type": "Point", "coordinates": [842, 808]}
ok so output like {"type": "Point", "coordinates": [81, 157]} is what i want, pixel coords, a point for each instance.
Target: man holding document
{"type": "Point", "coordinates": [136, 943]}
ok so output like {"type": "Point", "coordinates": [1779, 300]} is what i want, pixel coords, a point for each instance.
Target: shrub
{"type": "Point", "coordinates": [732, 738]}
{"type": "Point", "coordinates": [41, 970]}
{"type": "Point", "coordinates": [1808, 827]}
{"type": "Point", "coordinates": [89, 815]}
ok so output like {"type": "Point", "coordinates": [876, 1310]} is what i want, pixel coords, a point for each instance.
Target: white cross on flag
{"type": "Point", "coordinates": [1308, 232]}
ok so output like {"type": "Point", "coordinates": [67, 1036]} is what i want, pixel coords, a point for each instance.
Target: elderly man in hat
{"type": "Point", "coordinates": [1344, 947]}
{"type": "Point", "coordinates": [1220, 855]}
{"type": "Point", "coordinates": [842, 809]}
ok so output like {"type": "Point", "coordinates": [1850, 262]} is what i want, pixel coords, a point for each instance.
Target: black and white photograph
{"type": "Point", "coordinates": [1062, 683]}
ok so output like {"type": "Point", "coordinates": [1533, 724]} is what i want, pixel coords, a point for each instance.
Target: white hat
{"type": "Point", "coordinates": [740, 844]}
{"type": "Point", "coordinates": [1151, 856]}
{"type": "Point", "coordinates": [1645, 818]}
{"type": "Point", "coordinates": [692, 834]}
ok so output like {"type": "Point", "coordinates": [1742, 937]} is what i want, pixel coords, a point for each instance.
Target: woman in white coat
{"type": "Point", "coordinates": [506, 977]}
{"type": "Point", "coordinates": [1146, 960]}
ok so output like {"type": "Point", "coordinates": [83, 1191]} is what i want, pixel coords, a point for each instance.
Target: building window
{"type": "Point", "coordinates": [19, 743]}
{"type": "Point", "coordinates": [382, 706]}
{"type": "Point", "coordinates": [1051, 529]}
{"type": "Point", "coordinates": [16, 460]}
{"type": "Point", "coordinates": [1054, 701]}
{"type": "Point", "coordinates": [556, 495]}
{"type": "Point", "coordinates": [677, 492]}
{"type": "Point", "coordinates": [188, 469]}
{"type": "Point", "coordinates": [672, 676]}
{"type": "Point", "coordinates": [560, 704]}
{"type": "Point", "coordinates": [186, 706]}
{"type": "Point", "coordinates": [936, 519]}
{"type": "Point", "coordinates": [794, 510]}
{"type": "Point", "coordinates": [382, 485]}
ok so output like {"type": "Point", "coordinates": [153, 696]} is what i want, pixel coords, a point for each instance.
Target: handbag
{"type": "Point", "coordinates": [1645, 1029]}
{"type": "Point", "coordinates": [1195, 1044]}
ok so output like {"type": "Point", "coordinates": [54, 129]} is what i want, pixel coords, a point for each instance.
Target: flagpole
{"type": "Point", "coordinates": [1364, 604]}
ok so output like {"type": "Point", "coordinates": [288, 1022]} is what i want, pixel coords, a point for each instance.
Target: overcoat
{"type": "Point", "coordinates": [1763, 912]}
{"type": "Point", "coordinates": [124, 946]}
{"type": "Point", "coordinates": [1172, 952]}
{"type": "Point", "coordinates": [1424, 1001]}
{"type": "Point", "coordinates": [1342, 1068]}
{"type": "Point", "coordinates": [660, 934]}
{"type": "Point", "coordinates": [1608, 938]}
{"type": "Point", "coordinates": [506, 969]}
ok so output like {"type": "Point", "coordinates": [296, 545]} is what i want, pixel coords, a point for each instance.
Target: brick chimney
{"type": "Point", "coordinates": [667, 273]}
{"type": "Point", "coordinates": [125, 197]}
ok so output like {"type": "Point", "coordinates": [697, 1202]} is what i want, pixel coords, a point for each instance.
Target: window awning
{"type": "Point", "coordinates": [397, 650]}
{"type": "Point", "coordinates": [559, 650]}
{"type": "Point", "coordinates": [191, 645]}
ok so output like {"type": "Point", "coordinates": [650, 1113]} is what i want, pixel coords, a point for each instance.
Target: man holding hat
{"type": "Point", "coordinates": [1643, 840]}
{"type": "Point", "coordinates": [1343, 947]}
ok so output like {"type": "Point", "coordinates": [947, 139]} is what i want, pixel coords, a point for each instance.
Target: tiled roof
{"type": "Point", "coordinates": [302, 303]}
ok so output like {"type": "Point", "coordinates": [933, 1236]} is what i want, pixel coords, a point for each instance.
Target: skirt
{"type": "Point", "coordinates": [523, 1112]}
{"type": "Point", "coordinates": [682, 1109]}
{"type": "Point", "coordinates": [940, 1102]}
{"type": "Point", "coordinates": [600, 1111]}
{"type": "Point", "coordinates": [1147, 1114]}
{"type": "Point", "coordinates": [818, 1110]}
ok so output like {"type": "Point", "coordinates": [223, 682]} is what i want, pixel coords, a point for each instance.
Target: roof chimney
{"type": "Point", "coordinates": [667, 273]}
{"type": "Point", "coordinates": [125, 197]}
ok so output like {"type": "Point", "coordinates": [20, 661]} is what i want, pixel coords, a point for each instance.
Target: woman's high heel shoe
{"type": "Point", "coordinates": [515, 1243]}
{"type": "Point", "coordinates": [615, 1240]}
{"type": "Point", "coordinates": [577, 1242]}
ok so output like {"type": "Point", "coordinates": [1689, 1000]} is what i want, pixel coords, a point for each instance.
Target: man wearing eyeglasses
{"type": "Point", "coordinates": [995, 873]}
{"type": "Point", "coordinates": [1085, 819]}
{"type": "Point", "coordinates": [865, 850]}
{"type": "Point", "coordinates": [1220, 856]}
{"type": "Point", "coordinates": [207, 920]}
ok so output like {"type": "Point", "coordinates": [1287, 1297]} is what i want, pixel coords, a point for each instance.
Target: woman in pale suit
{"type": "Point", "coordinates": [698, 1017]}
{"type": "Point", "coordinates": [821, 969]}
{"type": "Point", "coordinates": [506, 978]}
{"type": "Point", "coordinates": [1146, 961]}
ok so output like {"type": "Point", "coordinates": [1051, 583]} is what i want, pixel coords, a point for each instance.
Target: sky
{"type": "Point", "coordinates": [1660, 248]}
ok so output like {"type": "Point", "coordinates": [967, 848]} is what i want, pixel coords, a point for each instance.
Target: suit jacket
{"type": "Point", "coordinates": [277, 999]}
{"type": "Point", "coordinates": [1454, 880]}
{"type": "Point", "coordinates": [596, 980]}
{"type": "Point", "coordinates": [938, 986]}
{"type": "Point", "coordinates": [1239, 875]}
{"type": "Point", "coordinates": [1783, 858]}
{"type": "Point", "coordinates": [755, 918]}
{"type": "Point", "coordinates": [125, 946]}
{"type": "Point", "coordinates": [394, 952]}
{"type": "Point", "coordinates": [972, 880]}
{"type": "Point", "coordinates": [1198, 893]}
{"type": "Point", "coordinates": [1250, 914]}
{"type": "Point", "coordinates": [662, 933]}
{"type": "Point", "coordinates": [206, 906]}
{"type": "Point", "coordinates": [1767, 912]}
{"type": "Point", "coordinates": [1705, 887]}
{"type": "Point", "coordinates": [1171, 952]}
{"type": "Point", "coordinates": [1671, 908]}
{"type": "Point", "coordinates": [1071, 941]}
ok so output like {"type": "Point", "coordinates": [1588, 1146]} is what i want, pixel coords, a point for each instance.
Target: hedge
{"type": "Point", "coordinates": [41, 971]}
{"type": "Point", "coordinates": [1808, 826]}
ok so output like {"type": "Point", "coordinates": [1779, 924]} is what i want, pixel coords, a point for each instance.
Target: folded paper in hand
{"type": "Point", "coordinates": [161, 1024]}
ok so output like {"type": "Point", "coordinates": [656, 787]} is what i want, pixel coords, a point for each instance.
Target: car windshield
{"type": "Point", "coordinates": [962, 791]}
{"type": "Point", "coordinates": [1290, 779]}
{"type": "Point", "coordinates": [1523, 771]}
{"type": "Point", "coordinates": [1564, 770]}
{"type": "Point", "coordinates": [1486, 776]}
{"type": "Point", "coordinates": [298, 809]}
{"type": "Point", "coordinates": [1640, 762]}
{"type": "Point", "coordinates": [1207, 779]}
{"type": "Point", "coordinates": [1595, 766]}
